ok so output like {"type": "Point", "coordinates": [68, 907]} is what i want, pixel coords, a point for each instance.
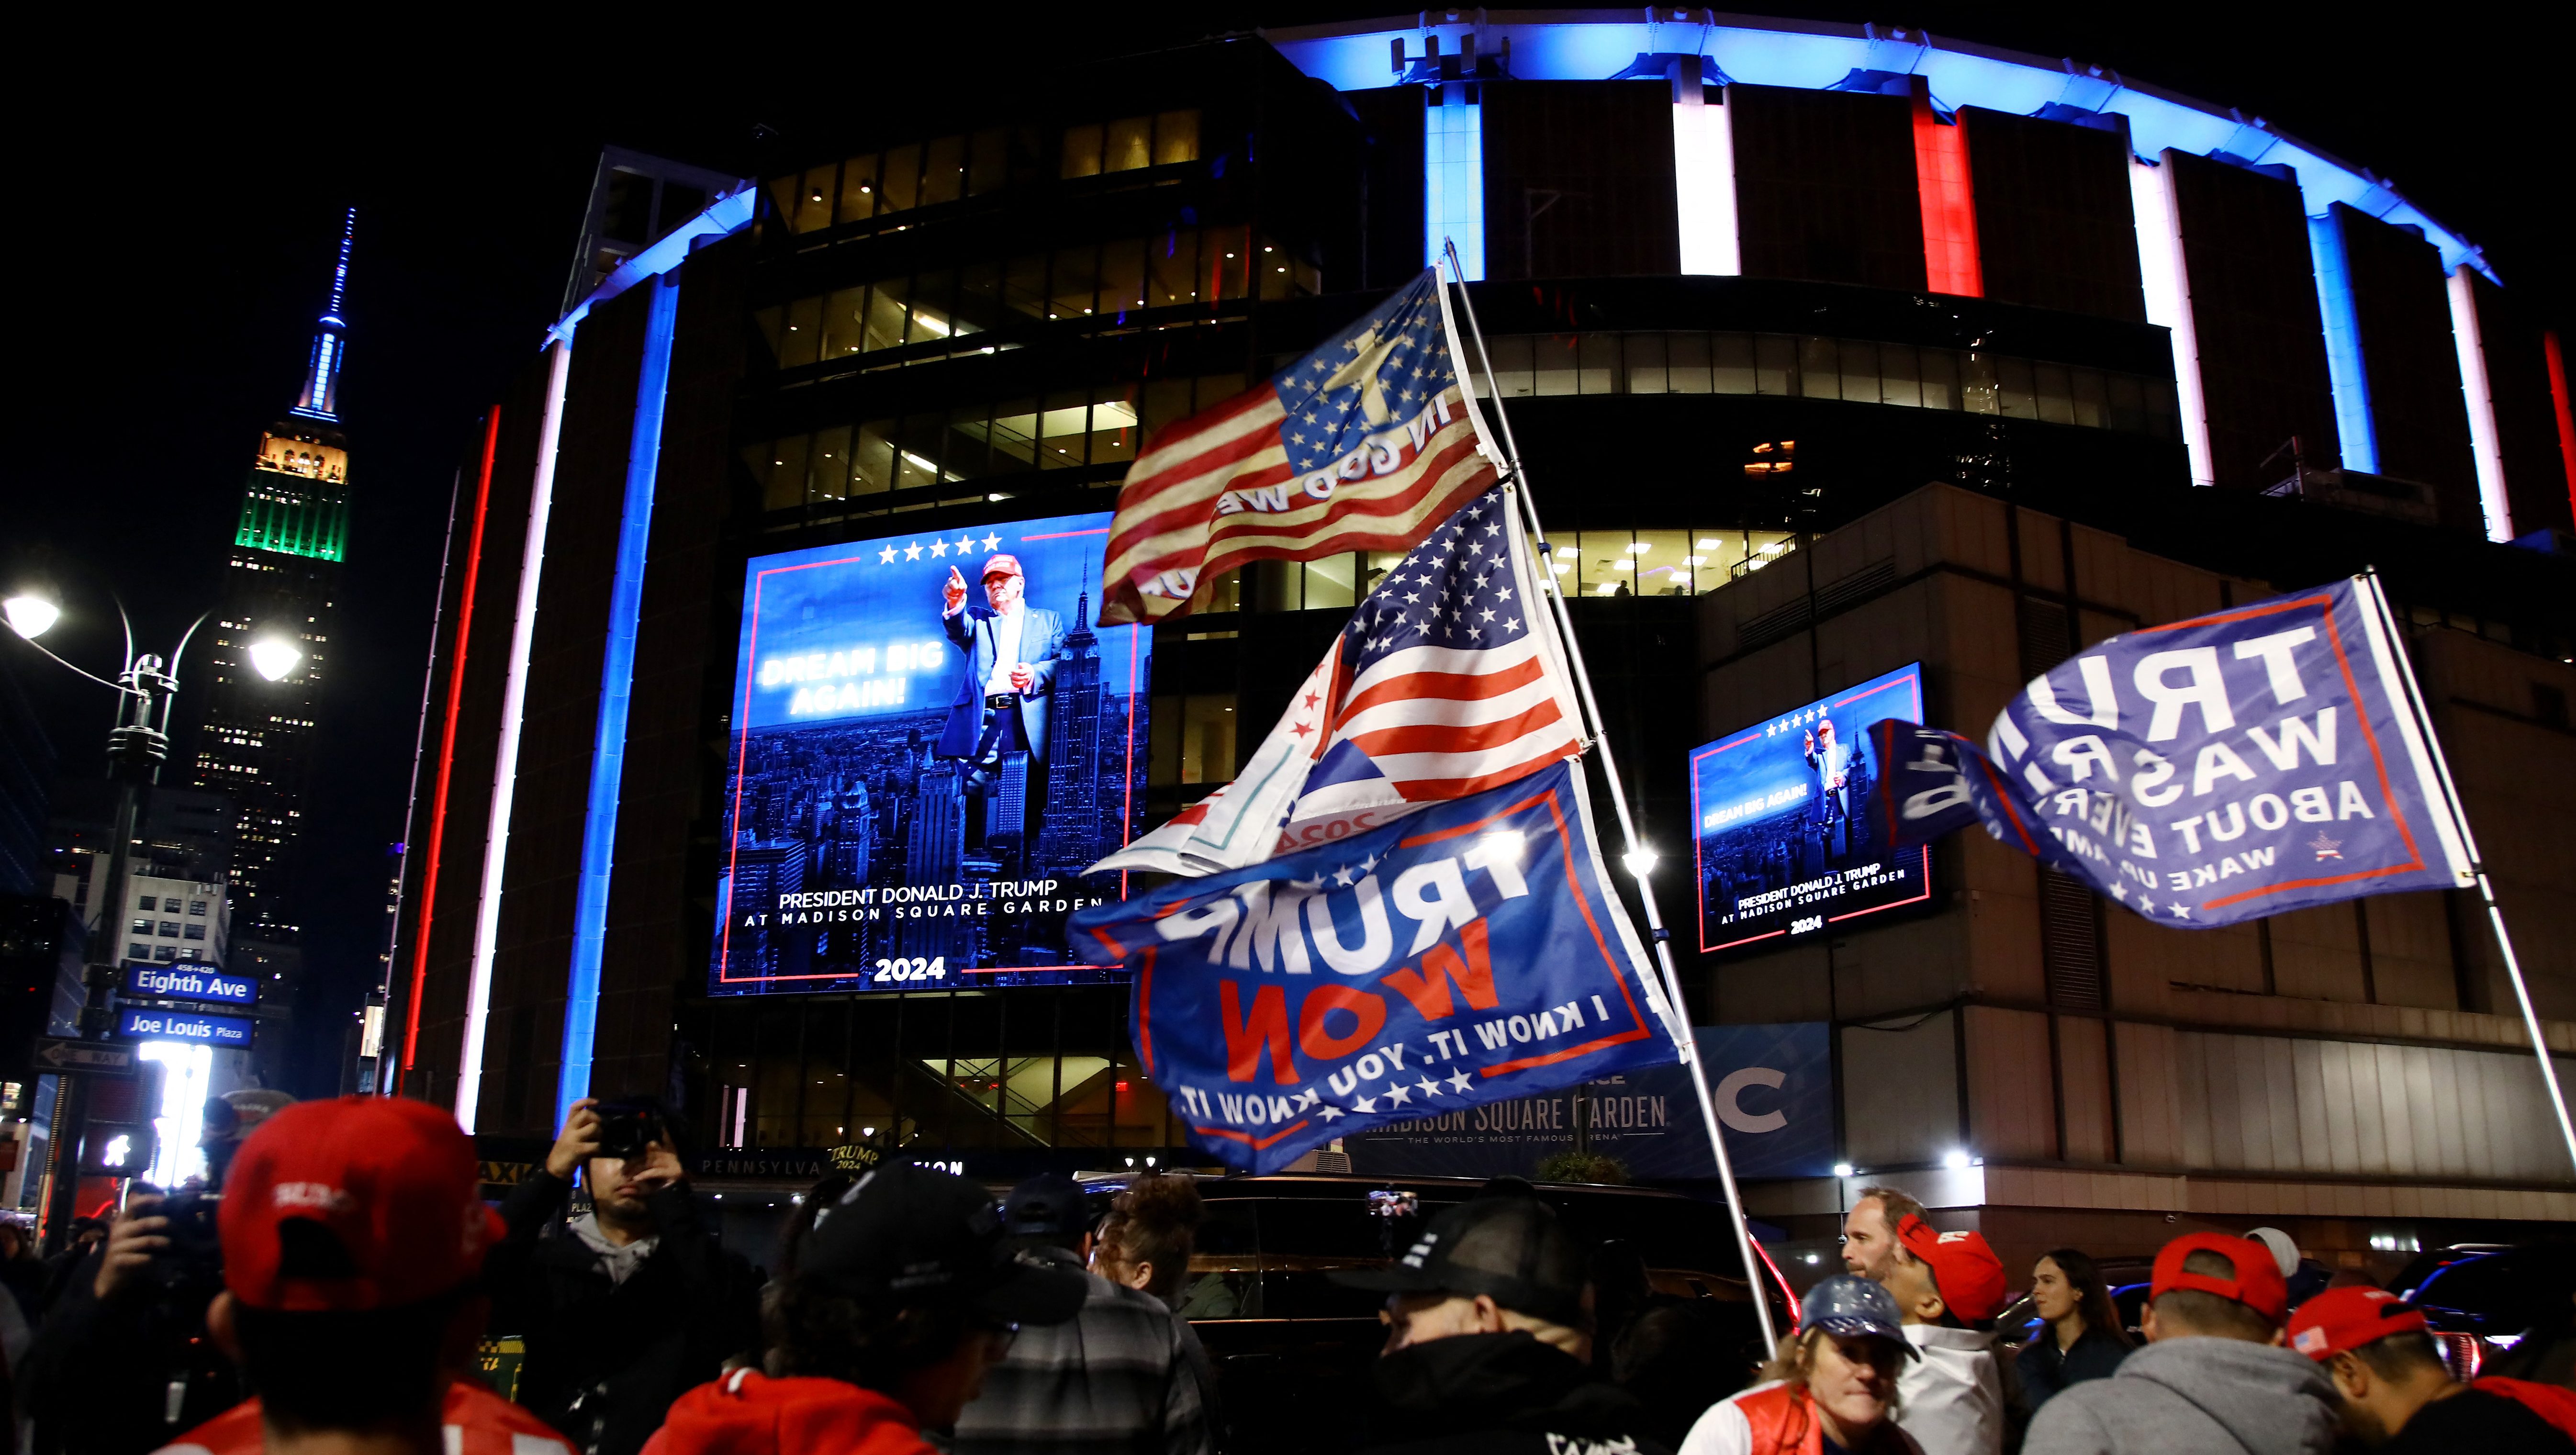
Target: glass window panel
{"type": "Point", "coordinates": [1176, 137]}
{"type": "Point", "coordinates": [970, 428]}
{"type": "Point", "coordinates": [1328, 582]}
{"type": "Point", "coordinates": [1700, 364]}
{"type": "Point", "coordinates": [814, 199]}
{"type": "Point", "coordinates": [1075, 277]}
{"type": "Point", "coordinates": [2160, 406]}
{"type": "Point", "coordinates": [899, 179]}
{"type": "Point", "coordinates": [1061, 425]}
{"type": "Point", "coordinates": [1897, 383]}
{"type": "Point", "coordinates": [772, 322]}
{"type": "Point", "coordinates": [1082, 151]}
{"type": "Point", "coordinates": [1860, 370]}
{"type": "Point", "coordinates": [1274, 586]}
{"type": "Point", "coordinates": [917, 445]}
{"type": "Point", "coordinates": [1555, 357]}
{"type": "Point", "coordinates": [1646, 369]}
{"type": "Point", "coordinates": [1715, 554]}
{"type": "Point", "coordinates": [827, 467]}
{"type": "Point", "coordinates": [1377, 564]}
{"type": "Point", "coordinates": [943, 170]}
{"type": "Point", "coordinates": [755, 459]}
{"type": "Point", "coordinates": [2056, 393]}
{"type": "Point", "coordinates": [2015, 391]}
{"type": "Point", "coordinates": [1015, 435]}
{"type": "Point", "coordinates": [872, 458]}
{"type": "Point", "coordinates": [2092, 404]}
{"type": "Point", "coordinates": [1775, 360]}
{"type": "Point", "coordinates": [783, 195]}
{"type": "Point", "coordinates": [1977, 382]}
{"type": "Point", "coordinates": [988, 160]}
{"type": "Point", "coordinates": [1024, 285]}
{"type": "Point", "coordinates": [804, 339]}
{"type": "Point", "coordinates": [845, 316]}
{"type": "Point", "coordinates": [2128, 403]}
{"type": "Point", "coordinates": [1305, 280]}
{"type": "Point", "coordinates": [1598, 364]}
{"type": "Point", "coordinates": [1122, 275]}
{"type": "Point", "coordinates": [1819, 369]}
{"type": "Point", "coordinates": [886, 313]}
{"type": "Point", "coordinates": [1275, 282]}
{"type": "Point", "coordinates": [1515, 359]}
{"type": "Point", "coordinates": [1113, 424]}
{"type": "Point", "coordinates": [1664, 563]}
{"type": "Point", "coordinates": [787, 473]}
{"type": "Point", "coordinates": [1171, 268]}
{"type": "Point", "coordinates": [1229, 273]}
{"type": "Point", "coordinates": [1207, 737]}
{"type": "Point", "coordinates": [1603, 564]}
{"type": "Point", "coordinates": [1131, 144]}
{"type": "Point", "coordinates": [979, 297]}
{"type": "Point", "coordinates": [1165, 400]}
{"type": "Point", "coordinates": [1217, 388]}
{"type": "Point", "coordinates": [859, 188]}
{"type": "Point", "coordinates": [932, 308]}
{"type": "Point", "coordinates": [1940, 379]}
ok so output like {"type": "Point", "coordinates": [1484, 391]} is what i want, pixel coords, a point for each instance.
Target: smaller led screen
{"type": "Point", "coordinates": [1783, 841]}
{"type": "Point", "coordinates": [931, 742]}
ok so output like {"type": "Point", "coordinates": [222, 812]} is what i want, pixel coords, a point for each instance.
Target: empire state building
{"type": "Point", "coordinates": [282, 582]}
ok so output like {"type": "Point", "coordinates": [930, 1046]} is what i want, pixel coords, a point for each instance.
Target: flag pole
{"type": "Point", "coordinates": [1516, 483]}
{"type": "Point", "coordinates": [2477, 865]}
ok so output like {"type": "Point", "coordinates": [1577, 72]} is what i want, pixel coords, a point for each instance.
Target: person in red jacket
{"type": "Point", "coordinates": [2399, 1396]}
{"type": "Point", "coordinates": [353, 1238]}
{"type": "Point", "coordinates": [903, 1293]}
{"type": "Point", "coordinates": [1832, 1388]}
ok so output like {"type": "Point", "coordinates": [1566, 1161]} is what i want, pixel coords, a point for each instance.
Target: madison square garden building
{"type": "Point", "coordinates": [1840, 360]}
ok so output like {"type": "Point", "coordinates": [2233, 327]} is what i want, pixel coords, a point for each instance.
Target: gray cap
{"type": "Point", "coordinates": [1850, 1305]}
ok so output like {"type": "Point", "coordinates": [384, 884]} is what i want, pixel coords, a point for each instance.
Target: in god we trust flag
{"type": "Point", "coordinates": [1359, 446]}
{"type": "Point", "coordinates": [1471, 953]}
{"type": "Point", "coordinates": [2206, 772]}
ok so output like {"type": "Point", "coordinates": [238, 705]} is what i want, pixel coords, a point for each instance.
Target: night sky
{"type": "Point", "coordinates": [179, 201]}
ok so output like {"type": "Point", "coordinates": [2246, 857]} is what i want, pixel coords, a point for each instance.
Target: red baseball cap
{"type": "Point", "coordinates": [2257, 1284]}
{"type": "Point", "coordinates": [1005, 564]}
{"type": "Point", "coordinates": [366, 1202]}
{"type": "Point", "coordinates": [2340, 1320]}
{"type": "Point", "coordinates": [1970, 1276]}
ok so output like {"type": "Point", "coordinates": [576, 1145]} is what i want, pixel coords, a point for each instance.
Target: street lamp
{"type": "Point", "coordinates": [30, 615]}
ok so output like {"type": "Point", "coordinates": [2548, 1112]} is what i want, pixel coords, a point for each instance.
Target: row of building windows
{"type": "Point", "coordinates": [946, 168]}
{"type": "Point", "coordinates": [169, 903]}
{"type": "Point", "coordinates": [1860, 371]}
{"type": "Point", "coordinates": [137, 950]}
{"type": "Point", "coordinates": [1091, 280]}
{"type": "Point", "coordinates": [170, 929]}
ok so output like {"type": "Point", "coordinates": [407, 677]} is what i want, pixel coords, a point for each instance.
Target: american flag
{"type": "Point", "coordinates": [1359, 446]}
{"type": "Point", "coordinates": [1448, 680]}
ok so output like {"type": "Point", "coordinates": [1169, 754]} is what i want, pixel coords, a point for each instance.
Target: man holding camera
{"type": "Point", "coordinates": [623, 1307]}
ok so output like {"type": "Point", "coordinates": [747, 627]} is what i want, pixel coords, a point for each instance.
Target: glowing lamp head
{"type": "Point", "coordinates": [272, 657]}
{"type": "Point", "coordinates": [30, 616]}
{"type": "Point", "coordinates": [1956, 1160]}
{"type": "Point", "coordinates": [1641, 861]}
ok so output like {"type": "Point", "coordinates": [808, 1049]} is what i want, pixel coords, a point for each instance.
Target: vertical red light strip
{"type": "Point", "coordinates": [447, 741]}
{"type": "Point", "coordinates": [2566, 414]}
{"type": "Point", "coordinates": [1950, 262]}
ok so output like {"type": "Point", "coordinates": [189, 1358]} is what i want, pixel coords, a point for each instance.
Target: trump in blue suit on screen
{"type": "Point", "coordinates": [1010, 648]}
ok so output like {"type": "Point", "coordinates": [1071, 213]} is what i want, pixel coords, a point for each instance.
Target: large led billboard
{"type": "Point", "coordinates": [1783, 842]}
{"type": "Point", "coordinates": [931, 741]}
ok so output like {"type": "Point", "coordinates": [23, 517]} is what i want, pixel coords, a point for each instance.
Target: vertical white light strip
{"type": "Point", "coordinates": [2483, 442]}
{"type": "Point", "coordinates": [1704, 187]}
{"type": "Point", "coordinates": [1453, 180]}
{"type": "Point", "coordinates": [505, 768]}
{"type": "Point", "coordinates": [2167, 281]}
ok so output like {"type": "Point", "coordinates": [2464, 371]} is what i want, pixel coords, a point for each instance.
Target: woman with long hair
{"type": "Point", "coordinates": [2082, 1339]}
{"type": "Point", "coordinates": [1145, 1244]}
{"type": "Point", "coordinates": [1832, 1386]}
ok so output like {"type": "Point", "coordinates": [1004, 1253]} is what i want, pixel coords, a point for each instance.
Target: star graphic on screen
{"type": "Point", "coordinates": [992, 543]}
{"type": "Point", "coordinates": [1329, 1112]}
{"type": "Point", "coordinates": [886, 556]}
{"type": "Point", "coordinates": [912, 552]}
{"type": "Point", "coordinates": [1429, 1086]}
{"type": "Point", "coordinates": [1397, 1095]}
{"type": "Point", "coordinates": [965, 544]}
{"type": "Point", "coordinates": [939, 548]}
{"type": "Point", "coordinates": [1458, 1081]}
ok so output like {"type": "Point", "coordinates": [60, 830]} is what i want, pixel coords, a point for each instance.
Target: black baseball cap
{"type": "Point", "coordinates": [1511, 1249]}
{"type": "Point", "coordinates": [907, 1235]}
{"type": "Point", "coordinates": [1049, 1205]}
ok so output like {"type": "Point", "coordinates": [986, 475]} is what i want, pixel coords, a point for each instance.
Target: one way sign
{"type": "Point", "coordinates": [54, 1053]}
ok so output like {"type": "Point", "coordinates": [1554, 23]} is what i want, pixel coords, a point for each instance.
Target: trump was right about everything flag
{"type": "Point", "coordinates": [2263, 758]}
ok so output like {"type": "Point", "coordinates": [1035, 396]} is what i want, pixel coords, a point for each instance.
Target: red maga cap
{"type": "Point", "coordinates": [1970, 1276]}
{"type": "Point", "coordinates": [2257, 1284]}
{"type": "Point", "coordinates": [366, 1202]}
{"type": "Point", "coordinates": [2340, 1320]}
{"type": "Point", "coordinates": [1005, 564]}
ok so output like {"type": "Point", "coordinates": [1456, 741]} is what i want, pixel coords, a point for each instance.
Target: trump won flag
{"type": "Point", "coordinates": [1470, 953]}
{"type": "Point", "coordinates": [2259, 759]}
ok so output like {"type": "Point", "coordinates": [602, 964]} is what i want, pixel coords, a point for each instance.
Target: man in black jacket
{"type": "Point", "coordinates": [1489, 1341]}
{"type": "Point", "coordinates": [628, 1305]}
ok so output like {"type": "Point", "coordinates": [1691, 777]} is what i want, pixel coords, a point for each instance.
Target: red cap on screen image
{"type": "Point", "coordinates": [2257, 1285]}
{"type": "Point", "coordinates": [366, 1202]}
{"type": "Point", "coordinates": [1969, 1275]}
{"type": "Point", "coordinates": [1003, 565]}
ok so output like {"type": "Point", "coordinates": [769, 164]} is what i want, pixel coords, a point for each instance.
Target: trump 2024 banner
{"type": "Point", "coordinates": [1470, 953]}
{"type": "Point", "coordinates": [2259, 759]}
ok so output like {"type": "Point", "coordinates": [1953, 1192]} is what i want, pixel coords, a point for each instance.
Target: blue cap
{"type": "Point", "coordinates": [1850, 1305]}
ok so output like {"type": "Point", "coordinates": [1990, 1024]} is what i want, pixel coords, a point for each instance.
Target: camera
{"type": "Point", "coordinates": [193, 1265]}
{"type": "Point", "coordinates": [626, 1130]}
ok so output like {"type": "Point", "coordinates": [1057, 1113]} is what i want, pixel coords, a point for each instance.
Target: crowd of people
{"type": "Point", "coordinates": [333, 1299]}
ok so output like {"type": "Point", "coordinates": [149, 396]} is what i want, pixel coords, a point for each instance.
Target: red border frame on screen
{"type": "Point", "coordinates": [742, 749]}
{"type": "Point", "coordinates": [1699, 872]}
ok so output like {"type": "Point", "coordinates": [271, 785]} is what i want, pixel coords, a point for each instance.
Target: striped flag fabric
{"type": "Point", "coordinates": [1447, 681]}
{"type": "Point", "coordinates": [1359, 446]}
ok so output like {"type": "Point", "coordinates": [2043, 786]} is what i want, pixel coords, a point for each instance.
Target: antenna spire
{"type": "Point", "coordinates": [321, 397]}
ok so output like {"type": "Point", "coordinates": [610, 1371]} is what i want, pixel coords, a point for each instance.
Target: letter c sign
{"type": "Point", "coordinates": [1734, 1115]}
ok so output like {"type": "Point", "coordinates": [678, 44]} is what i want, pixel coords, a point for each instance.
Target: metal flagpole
{"type": "Point", "coordinates": [1516, 485]}
{"type": "Point", "coordinates": [2477, 865]}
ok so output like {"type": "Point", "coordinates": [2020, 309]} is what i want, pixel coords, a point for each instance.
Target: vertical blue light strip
{"type": "Point", "coordinates": [2344, 367]}
{"type": "Point", "coordinates": [616, 693]}
{"type": "Point", "coordinates": [1453, 180]}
